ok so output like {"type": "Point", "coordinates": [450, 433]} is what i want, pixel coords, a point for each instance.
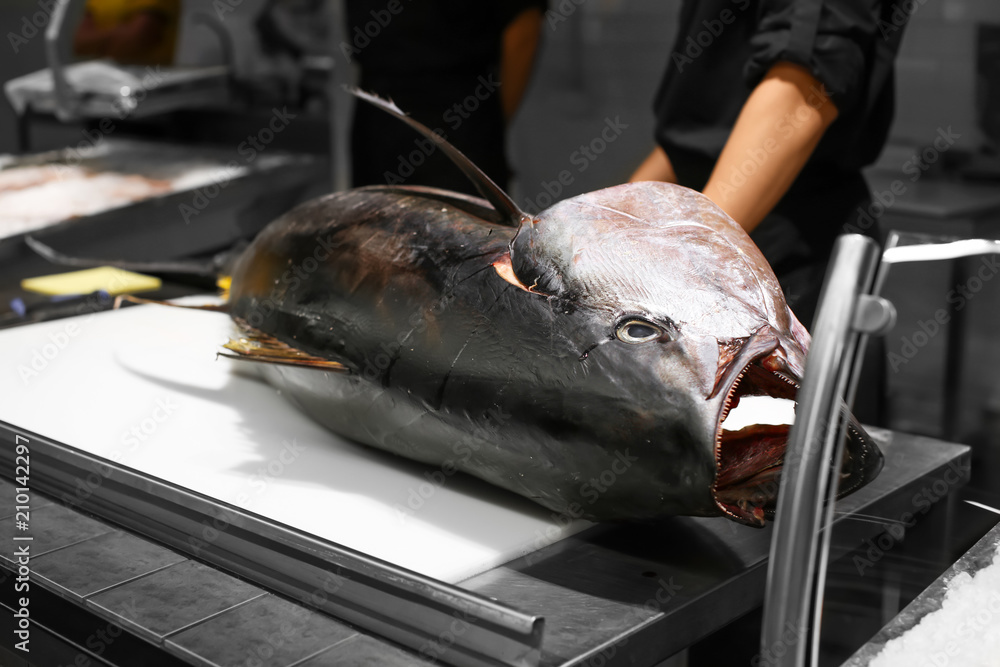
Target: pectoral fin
{"type": "Point", "coordinates": [254, 345]}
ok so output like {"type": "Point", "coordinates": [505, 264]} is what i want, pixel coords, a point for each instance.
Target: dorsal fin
{"type": "Point", "coordinates": [504, 205]}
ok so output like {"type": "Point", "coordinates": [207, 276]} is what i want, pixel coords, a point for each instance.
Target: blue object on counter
{"type": "Point", "coordinates": [64, 305]}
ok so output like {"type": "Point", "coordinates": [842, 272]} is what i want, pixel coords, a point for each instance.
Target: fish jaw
{"type": "Point", "coordinates": [749, 462]}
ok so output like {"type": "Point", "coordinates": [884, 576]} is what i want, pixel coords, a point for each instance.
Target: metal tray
{"type": "Point", "coordinates": [233, 199]}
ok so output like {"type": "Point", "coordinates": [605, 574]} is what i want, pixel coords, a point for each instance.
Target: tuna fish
{"type": "Point", "coordinates": [584, 357]}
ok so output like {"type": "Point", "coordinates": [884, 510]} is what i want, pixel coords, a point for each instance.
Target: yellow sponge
{"type": "Point", "coordinates": [108, 278]}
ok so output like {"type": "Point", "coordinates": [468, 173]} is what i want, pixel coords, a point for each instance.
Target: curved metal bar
{"type": "Point", "coordinates": [797, 564]}
{"type": "Point", "coordinates": [926, 252]}
{"type": "Point", "coordinates": [66, 16]}
{"type": "Point", "coordinates": [893, 253]}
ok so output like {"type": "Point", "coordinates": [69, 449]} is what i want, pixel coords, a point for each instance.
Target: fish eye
{"type": "Point", "coordinates": [637, 331]}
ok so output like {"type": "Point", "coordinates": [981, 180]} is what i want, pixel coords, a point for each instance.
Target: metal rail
{"type": "Point", "coordinates": [797, 563]}
{"type": "Point", "coordinates": [800, 546]}
{"type": "Point", "coordinates": [66, 15]}
{"type": "Point", "coordinates": [434, 619]}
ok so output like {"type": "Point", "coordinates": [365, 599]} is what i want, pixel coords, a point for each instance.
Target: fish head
{"type": "Point", "coordinates": [694, 315]}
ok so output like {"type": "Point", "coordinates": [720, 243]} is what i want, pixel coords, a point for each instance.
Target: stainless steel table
{"type": "Point", "coordinates": [612, 595]}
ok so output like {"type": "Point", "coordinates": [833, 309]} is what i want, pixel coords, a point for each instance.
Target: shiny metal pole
{"type": "Point", "coordinates": [800, 545]}
{"type": "Point", "coordinates": [815, 440]}
{"type": "Point", "coordinates": [341, 105]}
{"type": "Point", "coordinates": [66, 15]}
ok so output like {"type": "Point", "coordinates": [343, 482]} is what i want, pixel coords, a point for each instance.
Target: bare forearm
{"type": "Point", "coordinates": [519, 44]}
{"type": "Point", "coordinates": [777, 130]}
{"type": "Point", "coordinates": [89, 40]}
{"type": "Point", "coordinates": [122, 42]}
{"type": "Point", "coordinates": [656, 167]}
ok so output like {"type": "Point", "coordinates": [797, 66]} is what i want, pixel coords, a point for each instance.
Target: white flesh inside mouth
{"type": "Point", "coordinates": [759, 410]}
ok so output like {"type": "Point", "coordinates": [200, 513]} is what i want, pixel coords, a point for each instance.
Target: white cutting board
{"type": "Point", "coordinates": [142, 386]}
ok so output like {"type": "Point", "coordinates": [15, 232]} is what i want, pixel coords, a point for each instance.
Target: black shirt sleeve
{"type": "Point", "coordinates": [833, 39]}
{"type": "Point", "coordinates": [508, 10]}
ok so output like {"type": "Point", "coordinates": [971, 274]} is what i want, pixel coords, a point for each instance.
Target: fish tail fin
{"type": "Point", "coordinates": [501, 201]}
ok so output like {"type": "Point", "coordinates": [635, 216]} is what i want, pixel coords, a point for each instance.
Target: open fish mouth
{"type": "Point", "coordinates": [749, 460]}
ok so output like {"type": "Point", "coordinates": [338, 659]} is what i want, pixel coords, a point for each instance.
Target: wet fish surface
{"type": "Point", "coordinates": [585, 357]}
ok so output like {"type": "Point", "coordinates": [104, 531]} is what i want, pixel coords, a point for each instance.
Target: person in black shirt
{"type": "Point", "coordinates": [772, 108]}
{"type": "Point", "coordinates": [459, 67]}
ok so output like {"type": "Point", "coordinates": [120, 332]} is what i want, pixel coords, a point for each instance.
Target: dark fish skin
{"type": "Point", "coordinates": [450, 362]}
{"type": "Point", "coordinates": [518, 376]}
